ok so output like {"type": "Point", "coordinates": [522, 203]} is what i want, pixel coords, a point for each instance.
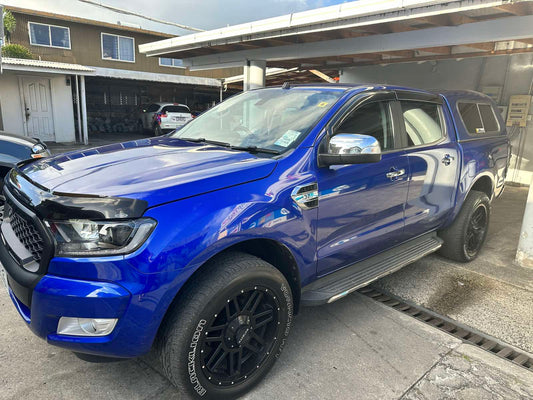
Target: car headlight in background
{"type": "Point", "coordinates": [39, 151]}
{"type": "Point", "coordinates": [80, 237]}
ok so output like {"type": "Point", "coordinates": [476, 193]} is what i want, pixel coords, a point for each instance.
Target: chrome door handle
{"type": "Point", "coordinates": [392, 175]}
{"type": "Point", "coordinates": [447, 159]}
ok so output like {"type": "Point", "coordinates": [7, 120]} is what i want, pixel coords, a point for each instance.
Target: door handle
{"type": "Point", "coordinates": [447, 159]}
{"type": "Point", "coordinates": [395, 173]}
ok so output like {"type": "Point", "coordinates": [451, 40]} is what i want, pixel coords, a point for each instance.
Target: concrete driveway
{"type": "Point", "coordinates": [352, 349]}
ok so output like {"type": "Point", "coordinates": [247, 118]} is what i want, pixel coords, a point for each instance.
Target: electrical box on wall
{"type": "Point", "coordinates": [518, 110]}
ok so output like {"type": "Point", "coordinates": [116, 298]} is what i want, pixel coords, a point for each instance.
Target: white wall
{"type": "Point", "coordinates": [514, 73]}
{"type": "Point", "coordinates": [62, 107]}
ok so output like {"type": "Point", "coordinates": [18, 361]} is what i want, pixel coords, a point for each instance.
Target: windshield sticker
{"type": "Point", "coordinates": [322, 104]}
{"type": "Point", "coordinates": [287, 138]}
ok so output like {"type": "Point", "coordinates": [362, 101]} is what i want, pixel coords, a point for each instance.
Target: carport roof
{"type": "Point", "coordinates": [21, 64]}
{"type": "Point", "coordinates": [361, 33]}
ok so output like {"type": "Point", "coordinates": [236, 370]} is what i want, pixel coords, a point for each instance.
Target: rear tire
{"type": "Point", "coordinates": [464, 238]}
{"type": "Point", "coordinates": [227, 329]}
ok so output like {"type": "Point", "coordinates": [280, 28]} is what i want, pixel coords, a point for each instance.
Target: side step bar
{"type": "Point", "coordinates": [338, 284]}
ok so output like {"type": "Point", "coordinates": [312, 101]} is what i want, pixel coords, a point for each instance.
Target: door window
{"type": "Point", "coordinates": [422, 121]}
{"type": "Point", "coordinates": [373, 120]}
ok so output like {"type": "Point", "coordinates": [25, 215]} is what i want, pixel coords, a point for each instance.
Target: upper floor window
{"type": "Point", "coordinates": [171, 62]}
{"type": "Point", "coordinates": [119, 48]}
{"type": "Point", "coordinates": [49, 35]}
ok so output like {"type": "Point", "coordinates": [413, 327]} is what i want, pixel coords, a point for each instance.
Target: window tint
{"type": "Point", "coordinates": [48, 35]}
{"type": "Point", "coordinates": [116, 47]}
{"type": "Point", "coordinates": [372, 119]}
{"type": "Point", "coordinates": [422, 122]}
{"type": "Point", "coordinates": [489, 119]}
{"type": "Point", "coordinates": [152, 108]}
{"type": "Point", "coordinates": [175, 109]}
{"type": "Point", "coordinates": [470, 115]}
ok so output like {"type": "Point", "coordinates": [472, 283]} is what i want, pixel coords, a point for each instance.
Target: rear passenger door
{"type": "Point", "coordinates": [433, 160]}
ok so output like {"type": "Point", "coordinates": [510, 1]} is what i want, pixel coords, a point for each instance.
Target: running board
{"type": "Point", "coordinates": [340, 283]}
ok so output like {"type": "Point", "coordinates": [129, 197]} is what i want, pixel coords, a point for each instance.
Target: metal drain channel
{"type": "Point", "coordinates": [454, 328]}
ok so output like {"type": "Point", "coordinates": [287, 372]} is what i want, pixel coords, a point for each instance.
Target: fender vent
{"type": "Point", "coordinates": [306, 196]}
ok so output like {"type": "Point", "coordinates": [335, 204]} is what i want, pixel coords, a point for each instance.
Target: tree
{"type": "Point", "coordinates": [10, 23]}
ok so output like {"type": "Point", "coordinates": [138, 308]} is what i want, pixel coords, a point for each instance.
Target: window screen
{"type": "Point", "coordinates": [489, 119]}
{"type": "Point", "coordinates": [372, 119]}
{"type": "Point", "coordinates": [175, 109]}
{"type": "Point", "coordinates": [422, 122]}
{"type": "Point", "coordinates": [471, 118]}
{"type": "Point", "coordinates": [48, 35]}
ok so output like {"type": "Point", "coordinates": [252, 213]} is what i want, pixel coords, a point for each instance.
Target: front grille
{"type": "Point", "coordinates": [26, 232]}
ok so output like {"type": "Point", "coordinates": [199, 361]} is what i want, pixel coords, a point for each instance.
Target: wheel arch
{"type": "Point", "coordinates": [485, 184]}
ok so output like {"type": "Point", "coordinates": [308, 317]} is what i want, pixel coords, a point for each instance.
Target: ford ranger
{"type": "Point", "coordinates": [204, 243]}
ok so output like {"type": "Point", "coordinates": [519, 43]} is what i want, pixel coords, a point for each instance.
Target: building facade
{"type": "Point", "coordinates": [117, 79]}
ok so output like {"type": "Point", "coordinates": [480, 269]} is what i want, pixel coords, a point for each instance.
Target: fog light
{"type": "Point", "coordinates": [86, 326]}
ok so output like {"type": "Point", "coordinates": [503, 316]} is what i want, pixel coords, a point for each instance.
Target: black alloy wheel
{"type": "Point", "coordinates": [476, 230]}
{"type": "Point", "coordinates": [228, 327]}
{"type": "Point", "coordinates": [240, 336]}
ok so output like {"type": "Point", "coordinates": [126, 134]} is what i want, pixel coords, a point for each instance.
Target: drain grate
{"type": "Point", "coordinates": [465, 333]}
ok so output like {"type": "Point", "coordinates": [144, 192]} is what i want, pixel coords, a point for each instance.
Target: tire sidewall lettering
{"type": "Point", "coordinates": [191, 358]}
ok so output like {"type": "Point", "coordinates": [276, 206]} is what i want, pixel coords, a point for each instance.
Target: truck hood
{"type": "Point", "coordinates": [156, 170]}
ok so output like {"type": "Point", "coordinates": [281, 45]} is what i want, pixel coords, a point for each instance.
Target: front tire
{"type": "Point", "coordinates": [464, 238]}
{"type": "Point", "coordinates": [227, 329]}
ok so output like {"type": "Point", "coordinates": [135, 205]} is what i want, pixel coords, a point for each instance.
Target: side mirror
{"type": "Point", "coordinates": [349, 148]}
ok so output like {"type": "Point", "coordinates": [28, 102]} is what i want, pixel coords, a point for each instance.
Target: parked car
{"type": "Point", "coordinates": [15, 148]}
{"type": "Point", "coordinates": [160, 118]}
{"type": "Point", "coordinates": [206, 242]}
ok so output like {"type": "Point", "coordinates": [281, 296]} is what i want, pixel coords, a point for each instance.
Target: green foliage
{"type": "Point", "coordinates": [9, 23]}
{"type": "Point", "coordinates": [16, 51]}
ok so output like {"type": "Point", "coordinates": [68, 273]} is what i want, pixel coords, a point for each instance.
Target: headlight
{"type": "Point", "coordinates": [38, 151]}
{"type": "Point", "coordinates": [77, 237]}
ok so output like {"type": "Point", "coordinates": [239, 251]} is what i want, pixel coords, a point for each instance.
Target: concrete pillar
{"type": "Point", "coordinates": [78, 112]}
{"type": "Point", "coordinates": [524, 254]}
{"type": "Point", "coordinates": [84, 110]}
{"type": "Point", "coordinates": [254, 75]}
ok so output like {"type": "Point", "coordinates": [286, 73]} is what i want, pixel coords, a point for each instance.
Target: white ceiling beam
{"type": "Point", "coordinates": [510, 28]}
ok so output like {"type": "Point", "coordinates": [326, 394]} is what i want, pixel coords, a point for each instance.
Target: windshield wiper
{"type": "Point", "coordinates": [255, 149]}
{"type": "Point", "coordinates": [204, 140]}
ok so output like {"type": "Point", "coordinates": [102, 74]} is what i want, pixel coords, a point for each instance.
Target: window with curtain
{"type": "Point", "coordinates": [119, 48]}
{"type": "Point", "coordinates": [49, 35]}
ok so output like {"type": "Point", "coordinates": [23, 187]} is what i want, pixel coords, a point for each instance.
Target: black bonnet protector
{"type": "Point", "coordinates": [61, 206]}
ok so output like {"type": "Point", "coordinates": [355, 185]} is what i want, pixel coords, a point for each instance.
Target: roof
{"type": "Point", "coordinates": [107, 16]}
{"type": "Point", "coordinates": [45, 66]}
{"type": "Point", "coordinates": [351, 34]}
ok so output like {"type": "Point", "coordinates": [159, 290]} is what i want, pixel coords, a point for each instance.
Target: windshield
{"type": "Point", "coordinates": [274, 120]}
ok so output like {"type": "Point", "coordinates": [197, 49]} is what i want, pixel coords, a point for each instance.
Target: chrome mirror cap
{"type": "Point", "coordinates": [349, 143]}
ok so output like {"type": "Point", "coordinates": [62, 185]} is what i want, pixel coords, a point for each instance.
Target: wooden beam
{"type": "Point", "coordinates": [438, 50]}
{"type": "Point", "coordinates": [321, 75]}
{"type": "Point", "coordinates": [442, 57]}
{"type": "Point", "coordinates": [526, 41]}
{"type": "Point", "coordinates": [399, 53]}
{"type": "Point", "coordinates": [514, 9]}
{"type": "Point", "coordinates": [481, 46]}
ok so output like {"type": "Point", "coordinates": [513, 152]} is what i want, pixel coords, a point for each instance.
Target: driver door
{"type": "Point", "coordinates": [361, 206]}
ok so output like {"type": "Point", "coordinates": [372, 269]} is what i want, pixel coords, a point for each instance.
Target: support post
{"type": "Point", "coordinates": [78, 112]}
{"type": "Point", "coordinates": [254, 75]}
{"type": "Point", "coordinates": [524, 253]}
{"type": "Point", "coordinates": [84, 110]}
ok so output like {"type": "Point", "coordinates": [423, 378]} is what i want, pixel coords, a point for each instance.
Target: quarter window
{"type": "Point", "coordinates": [488, 118]}
{"type": "Point", "coordinates": [119, 48]}
{"type": "Point", "coordinates": [373, 120]}
{"type": "Point", "coordinates": [422, 122]}
{"type": "Point", "coordinates": [478, 118]}
{"type": "Point", "coordinates": [49, 35]}
{"type": "Point", "coordinates": [171, 62]}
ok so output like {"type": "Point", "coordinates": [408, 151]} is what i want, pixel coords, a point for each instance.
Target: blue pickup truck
{"type": "Point", "coordinates": [204, 243]}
